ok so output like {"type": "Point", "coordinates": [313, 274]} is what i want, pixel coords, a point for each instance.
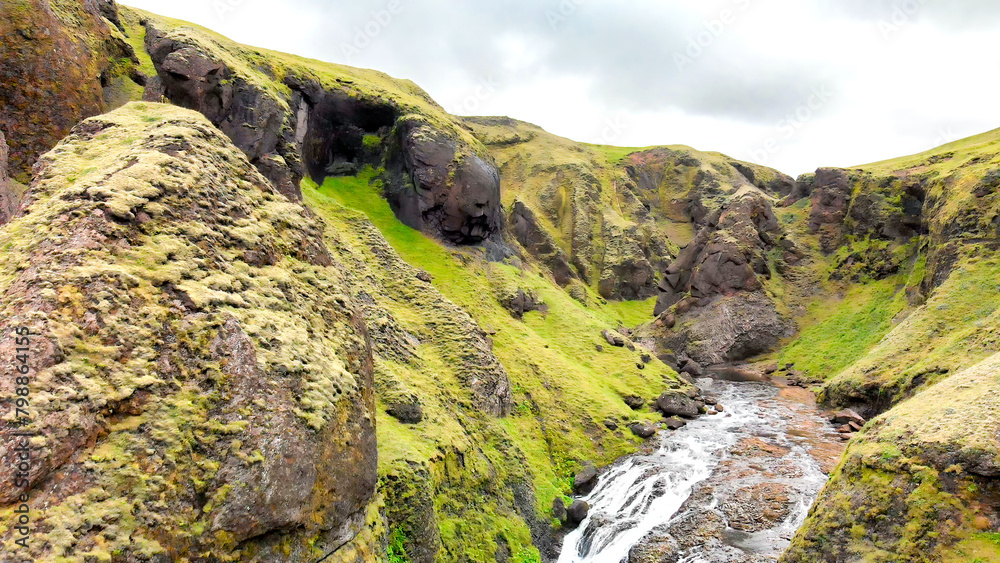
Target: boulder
{"type": "Point", "coordinates": [643, 430]}
{"type": "Point", "coordinates": [677, 403]}
{"type": "Point", "coordinates": [613, 338]}
{"type": "Point", "coordinates": [577, 512]}
{"type": "Point", "coordinates": [585, 481]}
{"type": "Point", "coordinates": [610, 424]}
{"type": "Point", "coordinates": [406, 411]}
{"type": "Point", "coordinates": [846, 416]}
{"type": "Point", "coordinates": [674, 422]}
{"type": "Point", "coordinates": [635, 402]}
{"type": "Point", "coordinates": [559, 509]}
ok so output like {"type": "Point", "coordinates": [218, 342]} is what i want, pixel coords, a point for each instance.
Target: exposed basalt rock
{"type": "Point", "coordinates": [407, 412]}
{"type": "Point", "coordinates": [711, 305]}
{"type": "Point", "coordinates": [60, 62]}
{"type": "Point", "coordinates": [529, 234]}
{"type": "Point", "coordinates": [678, 403]}
{"type": "Point", "coordinates": [725, 257]}
{"type": "Point", "coordinates": [10, 194]}
{"type": "Point", "coordinates": [577, 513]}
{"type": "Point", "coordinates": [831, 197]}
{"type": "Point", "coordinates": [454, 193]}
{"type": "Point", "coordinates": [585, 481]}
{"type": "Point", "coordinates": [185, 384]}
{"type": "Point", "coordinates": [409, 507]}
{"type": "Point", "coordinates": [259, 122]}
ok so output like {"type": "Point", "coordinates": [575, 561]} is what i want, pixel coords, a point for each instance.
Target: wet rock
{"type": "Point", "coordinates": [643, 430]}
{"type": "Point", "coordinates": [635, 402]}
{"type": "Point", "coordinates": [693, 368]}
{"type": "Point", "coordinates": [655, 549]}
{"type": "Point", "coordinates": [577, 512]}
{"type": "Point", "coordinates": [559, 509]}
{"type": "Point", "coordinates": [613, 338]}
{"type": "Point", "coordinates": [678, 403]}
{"type": "Point", "coordinates": [585, 481]}
{"type": "Point", "coordinates": [757, 507]}
{"type": "Point", "coordinates": [845, 429]}
{"type": "Point", "coordinates": [674, 422]}
{"type": "Point", "coordinates": [719, 408]}
{"type": "Point", "coordinates": [846, 416]}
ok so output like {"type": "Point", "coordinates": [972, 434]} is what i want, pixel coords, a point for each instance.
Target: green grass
{"type": "Point", "coordinates": [563, 387]}
{"type": "Point", "coordinates": [844, 329]}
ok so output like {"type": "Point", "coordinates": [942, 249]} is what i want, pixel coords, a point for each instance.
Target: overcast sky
{"type": "Point", "coordinates": [794, 84]}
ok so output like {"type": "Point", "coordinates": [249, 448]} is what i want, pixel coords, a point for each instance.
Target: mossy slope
{"type": "Point", "coordinates": [186, 316]}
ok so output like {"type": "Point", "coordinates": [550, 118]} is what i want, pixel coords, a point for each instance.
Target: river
{"type": "Point", "coordinates": [728, 487]}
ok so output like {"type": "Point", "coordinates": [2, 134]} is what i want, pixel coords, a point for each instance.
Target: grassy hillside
{"type": "Point", "coordinates": [469, 465]}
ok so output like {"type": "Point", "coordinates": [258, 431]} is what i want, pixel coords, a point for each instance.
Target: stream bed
{"type": "Point", "coordinates": [727, 488]}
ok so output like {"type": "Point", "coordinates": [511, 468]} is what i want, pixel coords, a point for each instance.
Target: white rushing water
{"type": "Point", "coordinates": [641, 492]}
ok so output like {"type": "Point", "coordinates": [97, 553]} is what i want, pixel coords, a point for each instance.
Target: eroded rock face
{"type": "Point", "coordinates": [209, 371]}
{"type": "Point", "coordinates": [528, 232]}
{"type": "Point", "coordinates": [712, 306]}
{"type": "Point", "coordinates": [831, 196]}
{"type": "Point", "coordinates": [259, 122]}
{"type": "Point", "coordinates": [10, 197]}
{"type": "Point", "coordinates": [59, 63]}
{"type": "Point", "coordinates": [455, 193]}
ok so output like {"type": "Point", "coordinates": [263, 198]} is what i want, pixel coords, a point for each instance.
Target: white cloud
{"type": "Point", "coordinates": [905, 74]}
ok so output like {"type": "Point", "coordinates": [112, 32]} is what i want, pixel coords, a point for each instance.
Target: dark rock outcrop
{"type": "Point", "coordinates": [712, 307]}
{"type": "Point", "coordinates": [454, 193]}
{"type": "Point", "coordinates": [10, 195]}
{"type": "Point", "coordinates": [678, 403]}
{"type": "Point", "coordinates": [577, 512]}
{"type": "Point", "coordinates": [60, 62]}
{"type": "Point", "coordinates": [259, 122]}
{"type": "Point", "coordinates": [529, 234]}
{"type": "Point", "coordinates": [585, 481]}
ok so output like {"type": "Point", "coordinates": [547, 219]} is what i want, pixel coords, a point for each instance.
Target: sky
{"type": "Point", "coordinates": [792, 84]}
